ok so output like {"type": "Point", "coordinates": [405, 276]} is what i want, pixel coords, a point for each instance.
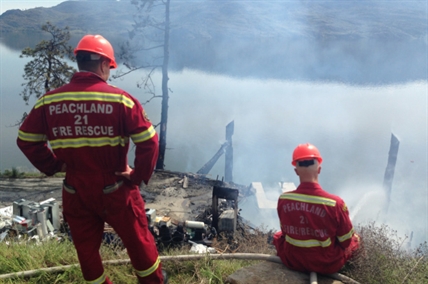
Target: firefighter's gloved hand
{"type": "Point", "coordinates": [126, 174]}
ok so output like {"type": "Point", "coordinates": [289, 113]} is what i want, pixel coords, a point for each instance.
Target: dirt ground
{"type": "Point", "coordinates": [182, 196]}
{"type": "Point", "coordinates": [34, 189]}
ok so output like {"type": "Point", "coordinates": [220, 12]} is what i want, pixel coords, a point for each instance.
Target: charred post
{"type": "Point", "coordinates": [390, 169]}
{"type": "Point", "coordinates": [228, 165]}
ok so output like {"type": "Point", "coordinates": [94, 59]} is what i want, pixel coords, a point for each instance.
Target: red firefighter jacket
{"type": "Point", "coordinates": [317, 230]}
{"type": "Point", "coordinates": [88, 124]}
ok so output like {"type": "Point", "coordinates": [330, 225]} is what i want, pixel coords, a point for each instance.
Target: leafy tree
{"type": "Point", "coordinates": [47, 70]}
{"type": "Point", "coordinates": [150, 36]}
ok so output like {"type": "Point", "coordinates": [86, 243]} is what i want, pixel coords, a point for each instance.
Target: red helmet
{"type": "Point", "coordinates": [306, 152]}
{"type": "Point", "coordinates": [99, 45]}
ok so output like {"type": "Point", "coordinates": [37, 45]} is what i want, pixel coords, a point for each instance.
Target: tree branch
{"type": "Point", "coordinates": [132, 69]}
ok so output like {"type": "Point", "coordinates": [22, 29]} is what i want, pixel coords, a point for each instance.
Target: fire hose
{"type": "Point", "coordinates": [242, 256]}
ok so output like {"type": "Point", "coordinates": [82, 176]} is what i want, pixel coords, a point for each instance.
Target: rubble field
{"type": "Point", "coordinates": [182, 196]}
{"type": "Point", "coordinates": [179, 207]}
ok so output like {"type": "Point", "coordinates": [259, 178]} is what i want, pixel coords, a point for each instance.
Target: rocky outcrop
{"type": "Point", "coordinates": [270, 272]}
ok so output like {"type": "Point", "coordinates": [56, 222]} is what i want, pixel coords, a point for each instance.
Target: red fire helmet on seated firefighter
{"type": "Point", "coordinates": [306, 152]}
{"type": "Point", "coordinates": [99, 45]}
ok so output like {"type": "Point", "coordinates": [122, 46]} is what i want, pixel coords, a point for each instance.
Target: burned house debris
{"type": "Point", "coordinates": [31, 218]}
{"type": "Point", "coordinates": [219, 218]}
{"type": "Point", "coordinates": [181, 209]}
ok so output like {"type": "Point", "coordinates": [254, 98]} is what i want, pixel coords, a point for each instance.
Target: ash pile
{"type": "Point", "coordinates": [217, 221]}
{"type": "Point", "coordinates": [220, 219]}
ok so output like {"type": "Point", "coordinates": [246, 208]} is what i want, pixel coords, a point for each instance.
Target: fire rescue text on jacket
{"type": "Point", "coordinates": [299, 206]}
{"type": "Point", "coordinates": [79, 129]}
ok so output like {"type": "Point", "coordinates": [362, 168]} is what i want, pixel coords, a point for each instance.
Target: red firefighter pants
{"type": "Point", "coordinates": [329, 267]}
{"type": "Point", "coordinates": [89, 207]}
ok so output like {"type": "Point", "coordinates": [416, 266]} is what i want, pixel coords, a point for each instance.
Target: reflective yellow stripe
{"type": "Point", "coordinates": [85, 96]}
{"type": "Point", "coordinates": [308, 243]}
{"type": "Point", "coordinates": [147, 272]}
{"type": "Point", "coordinates": [144, 136]}
{"type": "Point", "coordinates": [31, 137]}
{"type": "Point", "coordinates": [88, 142]}
{"type": "Point", "coordinates": [99, 280]}
{"type": "Point", "coordinates": [308, 198]}
{"type": "Point", "coordinates": [346, 236]}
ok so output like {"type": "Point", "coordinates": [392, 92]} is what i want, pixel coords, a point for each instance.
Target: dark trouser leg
{"type": "Point", "coordinates": [86, 230]}
{"type": "Point", "coordinates": [130, 223]}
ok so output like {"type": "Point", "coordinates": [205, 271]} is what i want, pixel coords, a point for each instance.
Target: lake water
{"type": "Point", "coordinates": [351, 126]}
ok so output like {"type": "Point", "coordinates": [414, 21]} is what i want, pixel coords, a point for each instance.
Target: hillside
{"type": "Point", "coordinates": [239, 19]}
{"type": "Point", "coordinates": [307, 40]}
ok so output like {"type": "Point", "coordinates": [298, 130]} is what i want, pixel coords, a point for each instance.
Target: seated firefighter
{"type": "Point", "coordinates": [316, 232]}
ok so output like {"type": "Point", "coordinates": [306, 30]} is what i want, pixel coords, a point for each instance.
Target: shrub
{"type": "Point", "coordinates": [13, 173]}
{"type": "Point", "coordinates": [383, 258]}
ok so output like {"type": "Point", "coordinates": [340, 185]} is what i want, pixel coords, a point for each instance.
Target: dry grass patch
{"type": "Point", "coordinates": [384, 258]}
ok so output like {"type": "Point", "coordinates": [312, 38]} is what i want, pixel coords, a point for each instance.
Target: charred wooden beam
{"type": "Point", "coordinates": [228, 165]}
{"type": "Point", "coordinates": [227, 148]}
{"type": "Point", "coordinates": [390, 169]}
{"type": "Point", "coordinates": [210, 164]}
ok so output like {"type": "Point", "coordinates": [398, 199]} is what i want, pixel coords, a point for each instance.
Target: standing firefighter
{"type": "Point", "coordinates": [88, 124]}
{"type": "Point", "coordinates": [316, 232]}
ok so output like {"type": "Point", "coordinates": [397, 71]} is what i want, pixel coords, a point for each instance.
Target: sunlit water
{"type": "Point", "coordinates": [351, 125]}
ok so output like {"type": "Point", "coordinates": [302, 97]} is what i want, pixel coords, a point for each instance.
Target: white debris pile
{"type": "Point", "coordinates": [36, 220]}
{"type": "Point", "coordinates": [201, 249]}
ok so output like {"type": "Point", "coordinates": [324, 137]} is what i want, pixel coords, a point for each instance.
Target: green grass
{"type": "Point", "coordinates": [382, 259]}
{"type": "Point", "coordinates": [25, 256]}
